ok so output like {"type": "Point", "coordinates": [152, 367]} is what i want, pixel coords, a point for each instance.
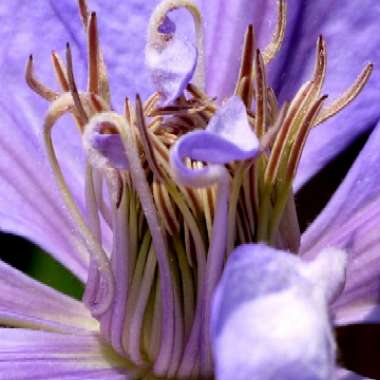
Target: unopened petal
{"type": "Point", "coordinates": [267, 319]}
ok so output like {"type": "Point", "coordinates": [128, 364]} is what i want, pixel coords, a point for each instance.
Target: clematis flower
{"type": "Point", "coordinates": [146, 206]}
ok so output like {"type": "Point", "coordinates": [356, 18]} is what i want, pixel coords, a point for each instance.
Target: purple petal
{"type": "Point", "coordinates": [226, 23]}
{"type": "Point", "coordinates": [122, 32]}
{"type": "Point", "coordinates": [265, 313]}
{"type": "Point", "coordinates": [30, 206]}
{"type": "Point", "coordinates": [37, 355]}
{"type": "Point", "coordinates": [25, 302]}
{"type": "Point", "coordinates": [29, 201]}
{"type": "Point", "coordinates": [351, 221]}
{"type": "Point", "coordinates": [352, 42]}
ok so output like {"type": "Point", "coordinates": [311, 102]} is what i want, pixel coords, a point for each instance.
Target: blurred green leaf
{"type": "Point", "coordinates": [44, 268]}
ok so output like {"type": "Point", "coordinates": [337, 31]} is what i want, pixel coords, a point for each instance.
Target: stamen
{"type": "Point", "coordinates": [244, 83]}
{"type": "Point", "coordinates": [59, 107]}
{"type": "Point", "coordinates": [300, 140]}
{"type": "Point", "coordinates": [347, 97]}
{"type": "Point", "coordinates": [84, 12]}
{"type": "Point", "coordinates": [93, 55]}
{"type": "Point", "coordinates": [261, 95]}
{"type": "Point", "coordinates": [273, 48]}
{"type": "Point", "coordinates": [151, 103]}
{"type": "Point", "coordinates": [102, 78]}
{"type": "Point", "coordinates": [159, 39]}
{"type": "Point", "coordinates": [144, 135]}
{"type": "Point", "coordinates": [273, 165]}
{"type": "Point", "coordinates": [320, 67]}
{"type": "Point", "coordinates": [165, 209]}
{"type": "Point", "coordinates": [162, 362]}
{"type": "Point", "coordinates": [98, 103]}
{"type": "Point", "coordinates": [38, 87]}
{"type": "Point", "coordinates": [60, 71]}
{"type": "Point", "coordinates": [83, 118]}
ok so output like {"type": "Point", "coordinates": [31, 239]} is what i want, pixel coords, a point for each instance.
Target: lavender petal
{"type": "Point", "coordinates": [226, 22]}
{"type": "Point", "coordinates": [27, 354]}
{"type": "Point", "coordinates": [351, 221]}
{"type": "Point", "coordinates": [352, 42]}
{"type": "Point", "coordinates": [25, 302]}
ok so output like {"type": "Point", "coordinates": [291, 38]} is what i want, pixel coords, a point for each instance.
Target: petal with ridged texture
{"type": "Point", "coordinates": [351, 220]}
{"type": "Point", "coordinates": [25, 302]}
{"type": "Point", "coordinates": [37, 355]}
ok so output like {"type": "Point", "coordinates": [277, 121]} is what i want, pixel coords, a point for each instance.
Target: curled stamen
{"type": "Point", "coordinates": [162, 362]}
{"type": "Point", "coordinates": [272, 49]}
{"type": "Point", "coordinates": [59, 107]}
{"type": "Point", "coordinates": [160, 39]}
{"type": "Point", "coordinates": [347, 97]}
{"type": "Point", "coordinates": [38, 87]}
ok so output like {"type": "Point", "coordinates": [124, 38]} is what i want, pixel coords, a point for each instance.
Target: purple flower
{"type": "Point", "coordinates": [147, 204]}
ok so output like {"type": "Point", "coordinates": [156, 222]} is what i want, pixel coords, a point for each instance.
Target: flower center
{"type": "Point", "coordinates": [162, 212]}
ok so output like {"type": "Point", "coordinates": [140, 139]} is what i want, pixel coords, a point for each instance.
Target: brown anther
{"type": "Point", "coordinates": [98, 103]}
{"type": "Point", "coordinates": [151, 102]}
{"type": "Point", "coordinates": [84, 13]}
{"type": "Point", "coordinates": [60, 71]}
{"type": "Point", "coordinates": [347, 97]}
{"type": "Point", "coordinates": [83, 118]}
{"type": "Point", "coordinates": [38, 87]}
{"type": "Point", "coordinates": [195, 91]}
{"type": "Point", "coordinates": [128, 111]}
{"type": "Point", "coordinates": [145, 140]}
{"type": "Point", "coordinates": [178, 110]}
{"type": "Point", "coordinates": [282, 137]}
{"type": "Point", "coordinates": [272, 49]}
{"type": "Point", "coordinates": [108, 129]}
{"type": "Point", "coordinates": [297, 147]}
{"type": "Point", "coordinates": [272, 105]}
{"type": "Point", "coordinates": [119, 193]}
{"type": "Point", "coordinates": [269, 137]}
{"type": "Point", "coordinates": [261, 95]}
{"type": "Point", "coordinates": [93, 55]}
{"type": "Point", "coordinates": [320, 67]}
{"type": "Point", "coordinates": [244, 83]}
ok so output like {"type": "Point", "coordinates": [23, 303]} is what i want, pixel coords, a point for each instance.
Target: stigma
{"type": "Point", "coordinates": [179, 180]}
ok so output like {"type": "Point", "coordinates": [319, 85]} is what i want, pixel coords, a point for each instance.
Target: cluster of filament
{"type": "Point", "coordinates": [151, 289]}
